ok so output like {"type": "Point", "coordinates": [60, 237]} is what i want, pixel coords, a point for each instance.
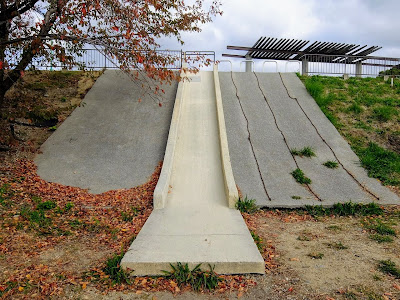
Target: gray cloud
{"type": "Point", "coordinates": [371, 22]}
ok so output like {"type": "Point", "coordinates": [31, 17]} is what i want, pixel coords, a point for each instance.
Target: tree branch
{"type": "Point", "coordinates": [16, 9]}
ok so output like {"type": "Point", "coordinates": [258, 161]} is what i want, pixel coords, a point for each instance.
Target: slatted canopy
{"type": "Point", "coordinates": [293, 49]}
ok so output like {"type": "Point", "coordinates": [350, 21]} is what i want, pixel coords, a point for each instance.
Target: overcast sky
{"type": "Point", "coordinates": [364, 22]}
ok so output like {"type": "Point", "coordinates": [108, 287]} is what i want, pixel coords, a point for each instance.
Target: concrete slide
{"type": "Point", "coordinates": [267, 115]}
{"type": "Point", "coordinates": [193, 223]}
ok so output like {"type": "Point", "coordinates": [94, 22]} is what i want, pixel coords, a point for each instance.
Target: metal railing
{"type": "Point", "coordinates": [351, 65]}
{"type": "Point", "coordinates": [91, 59]}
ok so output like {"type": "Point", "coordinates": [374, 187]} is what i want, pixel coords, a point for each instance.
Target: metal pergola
{"type": "Point", "coordinates": [268, 48]}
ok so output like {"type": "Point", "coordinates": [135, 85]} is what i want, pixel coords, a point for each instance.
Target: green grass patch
{"type": "Point", "coordinates": [380, 163]}
{"type": "Point", "coordinates": [114, 270]}
{"type": "Point", "coordinates": [299, 176]}
{"type": "Point", "coordinates": [196, 278]}
{"type": "Point", "coordinates": [384, 113]}
{"type": "Point", "coordinates": [246, 205]}
{"type": "Point", "coordinates": [258, 240]}
{"type": "Point", "coordinates": [380, 227]}
{"type": "Point", "coordinates": [389, 267]}
{"type": "Point", "coordinates": [355, 108]}
{"type": "Point", "coordinates": [9, 285]}
{"type": "Point", "coordinates": [306, 151]}
{"type": "Point", "coordinates": [296, 197]}
{"type": "Point", "coordinates": [381, 238]}
{"type": "Point", "coordinates": [331, 164]}
{"type": "Point", "coordinates": [46, 205]}
{"type": "Point", "coordinates": [5, 195]}
{"type": "Point", "coordinates": [126, 217]}
{"type": "Point", "coordinates": [345, 209]}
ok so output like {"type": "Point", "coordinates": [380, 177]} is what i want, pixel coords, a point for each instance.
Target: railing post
{"type": "Point", "coordinates": [304, 67]}
{"type": "Point", "coordinates": [249, 62]}
{"type": "Point", "coordinates": [359, 69]}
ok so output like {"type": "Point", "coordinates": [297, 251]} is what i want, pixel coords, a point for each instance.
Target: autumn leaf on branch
{"type": "Point", "coordinates": [125, 31]}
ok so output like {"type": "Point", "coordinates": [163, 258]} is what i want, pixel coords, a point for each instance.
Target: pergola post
{"type": "Point", "coordinates": [359, 69]}
{"type": "Point", "coordinates": [304, 67]}
{"type": "Point", "coordinates": [249, 63]}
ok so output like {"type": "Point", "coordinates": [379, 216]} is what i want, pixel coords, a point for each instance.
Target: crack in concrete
{"type": "Point", "coordinates": [249, 138]}
{"type": "Point", "coordinates": [283, 136]}
{"type": "Point", "coordinates": [326, 143]}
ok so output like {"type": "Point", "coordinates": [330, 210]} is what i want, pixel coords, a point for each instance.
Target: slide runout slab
{"type": "Point", "coordinates": [331, 185]}
{"type": "Point", "coordinates": [113, 128]}
{"type": "Point", "coordinates": [196, 225]}
{"type": "Point", "coordinates": [275, 160]}
{"type": "Point", "coordinates": [336, 141]}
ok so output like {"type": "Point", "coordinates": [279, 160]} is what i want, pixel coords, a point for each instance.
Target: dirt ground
{"type": "Point", "coordinates": [348, 271]}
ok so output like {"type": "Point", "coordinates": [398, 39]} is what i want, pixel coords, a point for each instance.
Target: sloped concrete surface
{"type": "Point", "coordinates": [245, 96]}
{"type": "Point", "coordinates": [335, 141]}
{"type": "Point", "coordinates": [196, 225]}
{"type": "Point", "coordinates": [113, 141]}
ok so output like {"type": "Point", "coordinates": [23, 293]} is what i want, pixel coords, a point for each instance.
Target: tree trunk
{"type": "Point", "coordinates": [2, 95]}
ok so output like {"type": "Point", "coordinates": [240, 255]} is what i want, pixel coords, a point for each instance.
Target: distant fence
{"type": "Point", "coordinates": [361, 66]}
{"type": "Point", "coordinates": [91, 59]}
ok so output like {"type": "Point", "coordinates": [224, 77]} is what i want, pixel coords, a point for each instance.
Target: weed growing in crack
{"type": "Point", "coordinates": [306, 151]}
{"type": "Point", "coordinates": [331, 164]}
{"type": "Point", "coordinates": [299, 176]}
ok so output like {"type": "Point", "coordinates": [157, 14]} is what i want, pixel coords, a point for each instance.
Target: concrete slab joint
{"type": "Point", "coordinates": [230, 185]}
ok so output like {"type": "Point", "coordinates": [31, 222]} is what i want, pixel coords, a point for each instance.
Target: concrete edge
{"type": "Point", "coordinates": [161, 190]}
{"type": "Point", "coordinates": [229, 181]}
{"type": "Point", "coordinates": [222, 268]}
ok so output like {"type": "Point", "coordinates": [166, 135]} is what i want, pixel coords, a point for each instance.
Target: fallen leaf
{"type": "Point", "coordinates": [294, 259]}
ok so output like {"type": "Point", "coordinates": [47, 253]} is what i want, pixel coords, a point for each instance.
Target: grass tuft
{"type": "Point", "coordinates": [380, 227]}
{"type": "Point", "coordinates": [258, 240]}
{"type": "Point", "coordinates": [389, 267]}
{"type": "Point", "coordinates": [331, 164]}
{"type": "Point", "coordinates": [5, 195]}
{"type": "Point", "coordinates": [246, 205]}
{"type": "Point", "coordinates": [114, 270]}
{"type": "Point", "coordinates": [196, 278]}
{"type": "Point", "coordinates": [381, 238]}
{"type": "Point", "coordinates": [384, 113]}
{"type": "Point", "coordinates": [306, 151]}
{"type": "Point", "coordinates": [299, 176]}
